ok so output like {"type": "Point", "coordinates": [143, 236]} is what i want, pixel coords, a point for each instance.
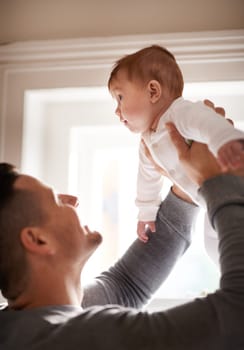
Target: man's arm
{"type": "Point", "coordinates": [144, 267]}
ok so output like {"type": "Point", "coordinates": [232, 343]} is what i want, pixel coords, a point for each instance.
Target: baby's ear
{"type": "Point", "coordinates": [154, 90]}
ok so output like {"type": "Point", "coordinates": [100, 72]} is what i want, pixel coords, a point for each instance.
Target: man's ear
{"type": "Point", "coordinates": [154, 90]}
{"type": "Point", "coordinates": [36, 241]}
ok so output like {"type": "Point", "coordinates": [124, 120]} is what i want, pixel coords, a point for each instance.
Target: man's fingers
{"type": "Point", "coordinates": [178, 141]}
{"type": "Point", "coordinates": [230, 121]}
{"type": "Point", "coordinates": [209, 103]}
{"type": "Point", "coordinates": [220, 111]}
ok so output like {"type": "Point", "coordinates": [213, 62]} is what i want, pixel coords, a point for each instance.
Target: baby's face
{"type": "Point", "coordinates": [134, 107]}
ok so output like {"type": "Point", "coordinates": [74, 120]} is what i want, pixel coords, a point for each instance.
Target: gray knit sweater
{"type": "Point", "coordinates": [215, 322]}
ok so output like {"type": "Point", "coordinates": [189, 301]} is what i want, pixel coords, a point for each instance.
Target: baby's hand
{"type": "Point", "coordinates": [230, 155]}
{"type": "Point", "coordinates": [142, 227]}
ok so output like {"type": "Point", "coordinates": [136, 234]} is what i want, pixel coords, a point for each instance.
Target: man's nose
{"type": "Point", "coordinates": [68, 199]}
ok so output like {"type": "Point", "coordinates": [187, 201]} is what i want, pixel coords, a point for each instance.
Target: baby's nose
{"type": "Point", "coordinates": [117, 112]}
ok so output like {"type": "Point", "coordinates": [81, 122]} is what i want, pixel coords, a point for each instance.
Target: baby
{"type": "Point", "coordinates": [147, 86]}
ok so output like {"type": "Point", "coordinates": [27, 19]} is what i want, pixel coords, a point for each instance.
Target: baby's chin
{"type": "Point", "coordinates": [133, 129]}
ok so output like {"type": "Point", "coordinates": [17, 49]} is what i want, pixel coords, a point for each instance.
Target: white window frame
{"type": "Point", "coordinates": [202, 56]}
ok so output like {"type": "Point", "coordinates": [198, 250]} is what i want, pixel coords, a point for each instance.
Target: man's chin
{"type": "Point", "coordinates": [94, 240]}
{"type": "Point", "coordinates": [90, 243]}
{"type": "Point", "coordinates": [96, 237]}
{"type": "Point", "coordinates": [94, 243]}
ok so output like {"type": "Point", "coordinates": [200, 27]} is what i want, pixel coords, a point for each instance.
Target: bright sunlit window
{"type": "Point", "coordinates": [73, 140]}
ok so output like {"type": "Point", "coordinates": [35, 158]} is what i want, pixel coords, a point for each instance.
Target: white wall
{"type": "Point", "coordinates": [203, 56]}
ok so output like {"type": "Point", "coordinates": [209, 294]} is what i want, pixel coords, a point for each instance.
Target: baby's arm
{"type": "Point", "coordinates": [144, 226]}
{"type": "Point", "coordinates": [198, 122]}
{"type": "Point", "coordinates": [149, 185]}
{"type": "Point", "coordinates": [230, 155]}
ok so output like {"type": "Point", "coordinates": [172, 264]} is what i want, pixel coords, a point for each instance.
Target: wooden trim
{"type": "Point", "coordinates": [201, 46]}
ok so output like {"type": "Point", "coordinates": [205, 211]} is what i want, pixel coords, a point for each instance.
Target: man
{"type": "Point", "coordinates": [41, 263]}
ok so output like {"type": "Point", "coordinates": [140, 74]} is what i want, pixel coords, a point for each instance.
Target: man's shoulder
{"type": "Point", "coordinates": [47, 327]}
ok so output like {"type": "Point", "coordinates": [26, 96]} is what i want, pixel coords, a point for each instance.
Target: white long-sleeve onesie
{"type": "Point", "coordinates": [195, 121]}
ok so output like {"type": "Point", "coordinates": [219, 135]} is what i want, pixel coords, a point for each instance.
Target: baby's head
{"type": "Point", "coordinates": [151, 63]}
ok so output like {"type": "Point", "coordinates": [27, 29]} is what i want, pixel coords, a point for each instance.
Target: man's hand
{"type": "Point", "coordinates": [198, 161]}
{"type": "Point", "coordinates": [230, 155]}
{"type": "Point", "coordinates": [175, 189]}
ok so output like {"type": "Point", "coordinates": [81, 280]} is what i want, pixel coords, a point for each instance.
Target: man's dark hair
{"type": "Point", "coordinates": [8, 175]}
{"type": "Point", "coordinates": [18, 209]}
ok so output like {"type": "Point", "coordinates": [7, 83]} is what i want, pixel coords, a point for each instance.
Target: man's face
{"type": "Point", "coordinates": [72, 242]}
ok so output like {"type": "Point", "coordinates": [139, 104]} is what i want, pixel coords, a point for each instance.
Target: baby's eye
{"type": "Point", "coordinates": [119, 97]}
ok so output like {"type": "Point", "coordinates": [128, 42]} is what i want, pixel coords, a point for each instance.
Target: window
{"type": "Point", "coordinates": [41, 122]}
{"type": "Point", "coordinates": [84, 150]}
